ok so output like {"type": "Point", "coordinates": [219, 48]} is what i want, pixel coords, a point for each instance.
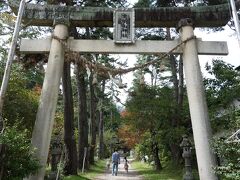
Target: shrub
{"type": "Point", "coordinates": [229, 155]}
{"type": "Point", "coordinates": [19, 160]}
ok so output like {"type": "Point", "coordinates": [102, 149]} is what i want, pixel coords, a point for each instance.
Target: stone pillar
{"type": "Point", "coordinates": [197, 103]}
{"type": "Point", "coordinates": [46, 111]}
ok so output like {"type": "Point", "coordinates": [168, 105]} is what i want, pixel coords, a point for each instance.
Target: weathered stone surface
{"type": "Point", "coordinates": [48, 101]}
{"type": "Point", "coordinates": [198, 107]}
{"type": "Point", "coordinates": [109, 47]}
{"type": "Point", "coordinates": [205, 16]}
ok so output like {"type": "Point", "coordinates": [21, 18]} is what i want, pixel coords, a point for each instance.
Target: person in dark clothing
{"type": "Point", "coordinates": [126, 164]}
{"type": "Point", "coordinates": [115, 162]}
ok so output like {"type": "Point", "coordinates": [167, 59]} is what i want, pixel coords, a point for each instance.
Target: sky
{"type": "Point", "coordinates": [227, 35]}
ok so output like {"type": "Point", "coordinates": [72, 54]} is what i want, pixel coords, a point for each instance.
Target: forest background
{"type": "Point", "coordinates": [151, 121]}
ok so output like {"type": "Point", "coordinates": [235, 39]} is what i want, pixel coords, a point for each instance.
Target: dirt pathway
{"type": "Point", "coordinates": [122, 174]}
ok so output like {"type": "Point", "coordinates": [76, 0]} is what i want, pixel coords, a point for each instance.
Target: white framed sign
{"type": "Point", "coordinates": [124, 30]}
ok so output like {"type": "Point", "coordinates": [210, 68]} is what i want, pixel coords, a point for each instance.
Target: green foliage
{"type": "Point", "coordinates": [111, 115]}
{"type": "Point", "coordinates": [223, 86]}
{"type": "Point", "coordinates": [7, 23]}
{"type": "Point", "coordinates": [143, 3]}
{"type": "Point", "coordinates": [168, 173]}
{"type": "Point", "coordinates": [149, 107]}
{"type": "Point", "coordinates": [143, 149]}
{"type": "Point", "coordinates": [150, 110]}
{"type": "Point", "coordinates": [229, 154]}
{"type": "Point", "coordinates": [110, 142]}
{"type": "Point", "coordinates": [222, 90]}
{"type": "Point", "coordinates": [175, 3]}
{"type": "Point", "coordinates": [22, 96]}
{"type": "Point", "coordinates": [19, 160]}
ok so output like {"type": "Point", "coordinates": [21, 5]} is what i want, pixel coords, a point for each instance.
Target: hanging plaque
{"type": "Point", "coordinates": [124, 26]}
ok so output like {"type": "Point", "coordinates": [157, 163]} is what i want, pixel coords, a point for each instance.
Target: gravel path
{"type": "Point", "coordinates": [122, 174]}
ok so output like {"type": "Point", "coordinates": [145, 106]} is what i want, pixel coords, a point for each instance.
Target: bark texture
{"type": "Point", "coordinates": [101, 124]}
{"type": "Point", "coordinates": [155, 152]}
{"type": "Point", "coordinates": [69, 139]}
{"type": "Point", "coordinates": [82, 114]}
{"type": "Point", "coordinates": [93, 101]}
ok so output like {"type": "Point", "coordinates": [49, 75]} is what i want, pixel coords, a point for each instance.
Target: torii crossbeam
{"type": "Point", "coordinates": [62, 16]}
{"type": "Point", "coordinates": [109, 47]}
{"type": "Point", "coordinates": [204, 16]}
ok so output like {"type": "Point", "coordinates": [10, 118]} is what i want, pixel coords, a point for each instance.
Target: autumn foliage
{"type": "Point", "coordinates": [125, 114]}
{"type": "Point", "coordinates": [128, 136]}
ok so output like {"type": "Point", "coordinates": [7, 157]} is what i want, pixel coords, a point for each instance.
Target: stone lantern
{"type": "Point", "coordinates": [187, 154]}
{"type": "Point", "coordinates": [56, 149]}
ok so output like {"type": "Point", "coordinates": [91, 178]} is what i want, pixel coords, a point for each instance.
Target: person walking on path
{"type": "Point", "coordinates": [115, 162]}
{"type": "Point", "coordinates": [122, 175]}
{"type": "Point", "coordinates": [126, 164]}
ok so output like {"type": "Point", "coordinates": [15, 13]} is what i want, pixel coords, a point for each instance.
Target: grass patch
{"type": "Point", "coordinates": [169, 172]}
{"type": "Point", "coordinates": [76, 178]}
{"type": "Point", "coordinates": [95, 170]}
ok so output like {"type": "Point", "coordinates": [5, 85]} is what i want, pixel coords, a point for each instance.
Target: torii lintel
{"type": "Point", "coordinates": [203, 16]}
{"type": "Point", "coordinates": [109, 47]}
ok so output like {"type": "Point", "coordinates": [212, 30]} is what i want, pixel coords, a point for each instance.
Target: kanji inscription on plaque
{"type": "Point", "coordinates": [124, 26]}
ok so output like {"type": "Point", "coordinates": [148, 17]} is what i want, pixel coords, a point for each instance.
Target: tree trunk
{"type": "Point", "coordinates": [175, 121]}
{"type": "Point", "coordinates": [180, 86]}
{"type": "Point", "coordinates": [101, 124]}
{"type": "Point", "coordinates": [175, 149]}
{"type": "Point", "coordinates": [93, 121]}
{"type": "Point", "coordinates": [82, 114]}
{"type": "Point", "coordinates": [174, 146]}
{"type": "Point", "coordinates": [158, 164]}
{"type": "Point", "coordinates": [69, 139]}
{"type": "Point", "coordinates": [175, 83]}
{"type": "Point", "coordinates": [175, 152]}
{"type": "Point", "coordinates": [155, 152]}
{"type": "Point", "coordinates": [101, 140]}
{"type": "Point", "coordinates": [2, 155]}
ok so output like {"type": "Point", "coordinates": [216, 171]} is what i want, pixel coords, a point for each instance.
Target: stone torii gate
{"type": "Point", "coordinates": [62, 16]}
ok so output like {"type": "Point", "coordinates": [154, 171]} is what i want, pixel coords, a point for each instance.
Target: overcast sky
{"type": "Point", "coordinates": [227, 35]}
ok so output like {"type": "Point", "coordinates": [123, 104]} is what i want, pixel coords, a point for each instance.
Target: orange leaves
{"type": "Point", "coordinates": [126, 114]}
{"type": "Point", "coordinates": [129, 136]}
{"type": "Point", "coordinates": [37, 89]}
